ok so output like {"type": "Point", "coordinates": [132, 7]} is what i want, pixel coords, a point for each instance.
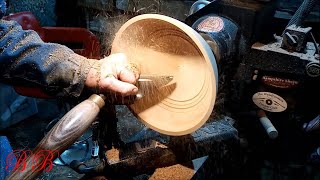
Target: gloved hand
{"type": "Point", "coordinates": [113, 74]}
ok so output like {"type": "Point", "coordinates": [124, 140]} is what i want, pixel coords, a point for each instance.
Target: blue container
{"type": "Point", "coordinates": [5, 150]}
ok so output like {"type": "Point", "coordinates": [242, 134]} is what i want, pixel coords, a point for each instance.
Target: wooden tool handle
{"type": "Point", "coordinates": [70, 127]}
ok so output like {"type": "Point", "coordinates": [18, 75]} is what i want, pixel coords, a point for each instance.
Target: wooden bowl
{"type": "Point", "coordinates": [161, 45]}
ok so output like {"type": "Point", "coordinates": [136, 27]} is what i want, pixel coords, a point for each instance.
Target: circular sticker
{"type": "Point", "coordinates": [313, 69]}
{"type": "Point", "coordinates": [269, 101]}
{"type": "Point", "coordinates": [211, 24]}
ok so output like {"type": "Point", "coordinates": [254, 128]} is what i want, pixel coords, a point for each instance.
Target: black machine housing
{"type": "Point", "coordinates": [277, 71]}
{"type": "Point", "coordinates": [251, 60]}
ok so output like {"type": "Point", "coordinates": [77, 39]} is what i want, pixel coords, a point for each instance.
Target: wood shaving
{"type": "Point", "coordinates": [175, 172]}
{"type": "Point", "coordinates": [113, 156]}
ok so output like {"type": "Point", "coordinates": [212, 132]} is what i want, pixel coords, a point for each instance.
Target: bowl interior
{"type": "Point", "coordinates": [163, 46]}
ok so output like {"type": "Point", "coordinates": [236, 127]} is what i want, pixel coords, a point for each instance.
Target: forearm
{"type": "Point", "coordinates": [25, 60]}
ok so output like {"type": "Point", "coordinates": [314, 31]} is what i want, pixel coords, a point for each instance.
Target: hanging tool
{"type": "Point", "coordinates": [70, 127]}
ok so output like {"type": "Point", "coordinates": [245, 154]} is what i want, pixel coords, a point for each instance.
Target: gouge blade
{"type": "Point", "coordinates": [148, 82]}
{"type": "Point", "coordinates": [163, 80]}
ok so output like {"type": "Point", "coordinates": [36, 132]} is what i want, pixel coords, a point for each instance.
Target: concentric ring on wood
{"type": "Point", "coordinates": [163, 46]}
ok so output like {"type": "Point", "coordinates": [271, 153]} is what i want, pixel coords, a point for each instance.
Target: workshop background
{"type": "Point", "coordinates": [25, 120]}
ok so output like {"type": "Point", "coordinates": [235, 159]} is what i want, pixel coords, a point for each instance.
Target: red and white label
{"type": "Point", "coordinates": [279, 82]}
{"type": "Point", "coordinates": [211, 24]}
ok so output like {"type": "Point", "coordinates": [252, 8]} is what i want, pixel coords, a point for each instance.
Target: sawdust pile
{"type": "Point", "coordinates": [176, 172]}
{"type": "Point", "coordinates": [113, 156]}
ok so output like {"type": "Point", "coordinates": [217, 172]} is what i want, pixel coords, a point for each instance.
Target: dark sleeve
{"type": "Point", "coordinates": [25, 60]}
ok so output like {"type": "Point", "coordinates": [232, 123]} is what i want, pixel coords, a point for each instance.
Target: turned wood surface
{"type": "Point", "coordinates": [165, 46]}
{"type": "Point", "coordinates": [61, 136]}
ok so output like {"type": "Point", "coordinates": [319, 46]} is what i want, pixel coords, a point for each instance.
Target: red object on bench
{"type": "Point", "coordinates": [61, 35]}
{"type": "Point", "coordinates": [88, 42]}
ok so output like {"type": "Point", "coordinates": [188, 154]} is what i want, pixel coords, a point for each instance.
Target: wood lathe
{"type": "Point", "coordinates": [71, 126]}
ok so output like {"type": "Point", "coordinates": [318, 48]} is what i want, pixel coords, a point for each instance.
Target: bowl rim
{"type": "Point", "coordinates": [206, 53]}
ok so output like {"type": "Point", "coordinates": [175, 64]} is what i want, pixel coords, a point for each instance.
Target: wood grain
{"type": "Point", "coordinates": [60, 137]}
{"type": "Point", "coordinates": [166, 46]}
